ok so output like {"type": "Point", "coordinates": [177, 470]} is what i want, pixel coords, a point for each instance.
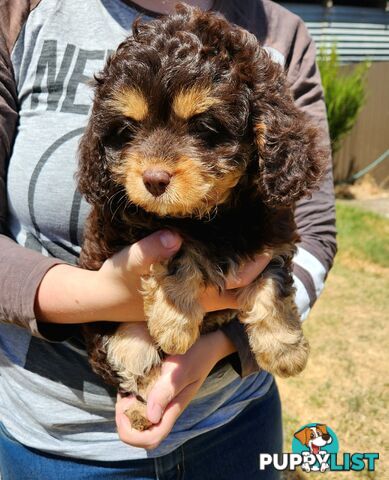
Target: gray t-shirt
{"type": "Point", "coordinates": [49, 397]}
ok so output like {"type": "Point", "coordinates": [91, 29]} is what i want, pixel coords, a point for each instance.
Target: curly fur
{"type": "Point", "coordinates": [201, 99]}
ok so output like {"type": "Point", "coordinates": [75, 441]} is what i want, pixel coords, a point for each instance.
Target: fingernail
{"type": "Point", "coordinates": [155, 413]}
{"type": "Point", "coordinates": [169, 239]}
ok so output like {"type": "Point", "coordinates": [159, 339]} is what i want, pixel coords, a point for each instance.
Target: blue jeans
{"type": "Point", "coordinates": [229, 452]}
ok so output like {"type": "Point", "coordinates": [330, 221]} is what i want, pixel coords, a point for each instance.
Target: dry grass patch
{"type": "Point", "coordinates": [363, 189]}
{"type": "Point", "coordinates": [345, 384]}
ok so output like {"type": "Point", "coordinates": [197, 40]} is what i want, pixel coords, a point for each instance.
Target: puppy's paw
{"type": "Point", "coordinates": [175, 329]}
{"type": "Point", "coordinates": [177, 341]}
{"type": "Point", "coordinates": [136, 413]}
{"type": "Point", "coordinates": [132, 353]}
{"type": "Point", "coordinates": [284, 359]}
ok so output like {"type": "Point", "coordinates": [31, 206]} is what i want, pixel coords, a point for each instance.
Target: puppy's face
{"type": "Point", "coordinates": [184, 109]}
{"type": "Point", "coordinates": [178, 144]}
{"type": "Point", "coordinates": [176, 150]}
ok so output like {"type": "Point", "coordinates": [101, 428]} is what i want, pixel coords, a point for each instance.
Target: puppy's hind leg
{"type": "Point", "coordinates": [273, 323]}
{"type": "Point", "coordinates": [135, 358]}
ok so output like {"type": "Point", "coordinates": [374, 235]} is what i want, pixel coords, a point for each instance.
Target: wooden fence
{"type": "Point", "coordinates": [370, 136]}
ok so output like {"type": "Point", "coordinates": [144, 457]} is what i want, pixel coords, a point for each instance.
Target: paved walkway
{"type": "Point", "coordinates": [376, 205]}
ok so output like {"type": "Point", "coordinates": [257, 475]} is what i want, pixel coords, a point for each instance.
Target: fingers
{"type": "Point", "coordinates": [147, 439]}
{"type": "Point", "coordinates": [161, 245]}
{"type": "Point", "coordinates": [170, 383]}
{"type": "Point", "coordinates": [248, 272]}
{"type": "Point", "coordinates": [159, 398]}
{"type": "Point", "coordinates": [180, 379]}
{"type": "Point", "coordinates": [212, 300]}
{"type": "Point", "coordinates": [169, 396]}
{"type": "Point", "coordinates": [152, 249]}
{"type": "Point", "coordinates": [152, 437]}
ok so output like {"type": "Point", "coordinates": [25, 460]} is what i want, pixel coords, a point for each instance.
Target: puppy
{"type": "Point", "coordinates": [193, 129]}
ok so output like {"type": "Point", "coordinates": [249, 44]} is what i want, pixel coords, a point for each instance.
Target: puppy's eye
{"type": "Point", "coordinates": [210, 131]}
{"type": "Point", "coordinates": [119, 133]}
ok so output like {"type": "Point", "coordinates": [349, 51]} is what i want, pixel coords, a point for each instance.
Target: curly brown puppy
{"type": "Point", "coordinates": [193, 129]}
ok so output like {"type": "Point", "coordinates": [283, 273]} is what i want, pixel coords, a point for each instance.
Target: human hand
{"type": "Point", "coordinates": [211, 299]}
{"type": "Point", "coordinates": [120, 277]}
{"type": "Point", "coordinates": [121, 274]}
{"type": "Point", "coordinates": [180, 379]}
{"type": "Point", "coordinates": [68, 294]}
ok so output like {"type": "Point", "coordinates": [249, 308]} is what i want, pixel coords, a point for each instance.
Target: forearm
{"type": "Point", "coordinates": [34, 287]}
{"type": "Point", "coordinates": [220, 345]}
{"type": "Point", "coordinates": [37, 287]}
{"type": "Point", "coordinates": [21, 271]}
{"type": "Point", "coordinates": [70, 294]}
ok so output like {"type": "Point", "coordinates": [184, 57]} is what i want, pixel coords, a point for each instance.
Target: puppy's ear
{"type": "Point", "coordinates": [303, 435]}
{"type": "Point", "coordinates": [93, 177]}
{"type": "Point", "coordinates": [290, 159]}
{"type": "Point", "coordinates": [322, 428]}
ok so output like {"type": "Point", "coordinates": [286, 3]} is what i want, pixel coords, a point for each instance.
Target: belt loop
{"type": "Point", "coordinates": [181, 464]}
{"type": "Point", "coordinates": [156, 469]}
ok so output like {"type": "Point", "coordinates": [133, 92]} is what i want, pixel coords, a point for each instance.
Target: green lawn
{"type": "Point", "coordinates": [363, 234]}
{"type": "Point", "coordinates": [345, 383]}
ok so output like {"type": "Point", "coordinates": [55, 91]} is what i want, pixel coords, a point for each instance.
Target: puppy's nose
{"type": "Point", "coordinates": [156, 181]}
{"type": "Point", "coordinates": [326, 437]}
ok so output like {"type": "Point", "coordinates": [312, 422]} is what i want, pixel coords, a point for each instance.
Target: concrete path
{"type": "Point", "coordinates": [376, 205]}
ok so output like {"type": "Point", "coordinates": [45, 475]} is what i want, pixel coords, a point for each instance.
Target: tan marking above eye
{"type": "Point", "coordinates": [131, 103]}
{"type": "Point", "coordinates": [193, 101]}
{"type": "Point", "coordinates": [260, 133]}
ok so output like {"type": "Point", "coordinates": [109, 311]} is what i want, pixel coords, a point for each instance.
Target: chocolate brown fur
{"type": "Point", "coordinates": [199, 99]}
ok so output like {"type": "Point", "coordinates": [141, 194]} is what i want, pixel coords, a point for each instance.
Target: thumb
{"type": "Point", "coordinates": [158, 399]}
{"type": "Point", "coordinates": [152, 249]}
{"type": "Point", "coordinates": [165, 389]}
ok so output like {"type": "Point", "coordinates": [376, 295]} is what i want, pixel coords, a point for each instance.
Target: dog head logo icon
{"type": "Point", "coordinates": [315, 442]}
{"type": "Point", "coordinates": [314, 437]}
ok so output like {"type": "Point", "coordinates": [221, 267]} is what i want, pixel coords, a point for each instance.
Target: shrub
{"type": "Point", "coordinates": [344, 92]}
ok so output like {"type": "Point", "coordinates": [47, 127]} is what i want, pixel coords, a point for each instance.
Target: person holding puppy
{"type": "Point", "coordinates": [214, 410]}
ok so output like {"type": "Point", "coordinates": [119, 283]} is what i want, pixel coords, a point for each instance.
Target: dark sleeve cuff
{"type": "Point", "coordinates": [22, 271]}
{"type": "Point", "coordinates": [243, 362]}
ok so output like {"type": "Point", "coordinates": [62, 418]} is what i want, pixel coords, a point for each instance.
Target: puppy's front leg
{"type": "Point", "coordinates": [171, 304]}
{"type": "Point", "coordinates": [273, 323]}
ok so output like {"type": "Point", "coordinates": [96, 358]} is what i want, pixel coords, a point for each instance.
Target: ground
{"type": "Point", "coordinates": [378, 205]}
{"type": "Point", "coordinates": [366, 195]}
{"type": "Point", "coordinates": [345, 384]}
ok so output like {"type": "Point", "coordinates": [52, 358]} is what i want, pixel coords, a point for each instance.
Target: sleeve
{"type": "Point", "coordinates": [21, 270]}
{"type": "Point", "coordinates": [315, 216]}
{"type": "Point", "coordinates": [243, 361]}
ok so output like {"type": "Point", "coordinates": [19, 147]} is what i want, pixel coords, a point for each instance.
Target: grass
{"type": "Point", "coordinates": [345, 384]}
{"type": "Point", "coordinates": [363, 234]}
